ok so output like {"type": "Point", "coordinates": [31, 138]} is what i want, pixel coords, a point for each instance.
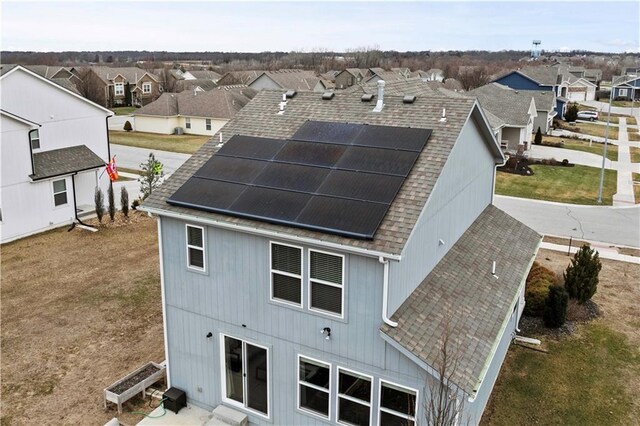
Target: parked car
{"type": "Point", "coordinates": [588, 115]}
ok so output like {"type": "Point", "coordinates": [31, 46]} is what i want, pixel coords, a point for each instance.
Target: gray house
{"type": "Point", "coordinates": [313, 263]}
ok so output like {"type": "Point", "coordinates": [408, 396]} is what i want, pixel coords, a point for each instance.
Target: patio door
{"type": "Point", "coordinates": [245, 375]}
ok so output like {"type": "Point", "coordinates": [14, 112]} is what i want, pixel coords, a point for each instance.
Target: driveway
{"type": "Point", "coordinates": [614, 225]}
{"type": "Point", "coordinates": [131, 157]}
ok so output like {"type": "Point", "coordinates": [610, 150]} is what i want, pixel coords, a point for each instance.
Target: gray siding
{"type": "Point", "coordinates": [264, 82]}
{"type": "Point", "coordinates": [461, 193]}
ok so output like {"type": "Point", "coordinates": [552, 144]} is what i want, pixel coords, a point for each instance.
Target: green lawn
{"type": "Point", "coordinates": [574, 185]}
{"type": "Point", "coordinates": [580, 145]}
{"type": "Point", "coordinates": [634, 137]}
{"type": "Point", "coordinates": [635, 154]}
{"type": "Point", "coordinates": [579, 382]}
{"type": "Point", "coordinates": [589, 129]}
{"type": "Point", "coordinates": [187, 144]}
{"type": "Point", "coordinates": [624, 104]}
{"type": "Point", "coordinates": [123, 110]}
{"type": "Point", "coordinates": [636, 186]}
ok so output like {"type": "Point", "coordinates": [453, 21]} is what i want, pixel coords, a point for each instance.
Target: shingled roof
{"type": "Point", "coordinates": [131, 74]}
{"type": "Point", "coordinates": [63, 161]}
{"type": "Point", "coordinates": [546, 75]}
{"type": "Point", "coordinates": [260, 118]}
{"type": "Point", "coordinates": [511, 106]}
{"type": "Point", "coordinates": [461, 297]}
{"type": "Point", "coordinates": [292, 79]}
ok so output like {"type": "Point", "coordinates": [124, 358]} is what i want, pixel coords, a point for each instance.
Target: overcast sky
{"type": "Point", "coordinates": [285, 26]}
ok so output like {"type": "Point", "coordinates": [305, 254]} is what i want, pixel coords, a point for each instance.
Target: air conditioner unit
{"type": "Point", "coordinates": [179, 131]}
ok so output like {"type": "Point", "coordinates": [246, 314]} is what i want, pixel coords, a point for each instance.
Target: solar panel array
{"type": "Point", "coordinates": [338, 178]}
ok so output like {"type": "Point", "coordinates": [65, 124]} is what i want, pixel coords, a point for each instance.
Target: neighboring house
{"type": "Point", "coordinates": [234, 78]}
{"type": "Point", "coordinates": [349, 77]}
{"type": "Point", "coordinates": [298, 291]}
{"type": "Point", "coordinates": [592, 75]}
{"type": "Point", "coordinates": [377, 74]}
{"type": "Point", "coordinates": [53, 145]}
{"type": "Point", "coordinates": [626, 87]}
{"type": "Point", "coordinates": [193, 111]}
{"type": "Point", "coordinates": [434, 74]}
{"type": "Point", "coordinates": [127, 86]}
{"type": "Point", "coordinates": [206, 75]}
{"type": "Point", "coordinates": [515, 108]}
{"type": "Point", "coordinates": [580, 89]}
{"type": "Point", "coordinates": [194, 84]}
{"type": "Point", "coordinates": [330, 75]}
{"type": "Point", "coordinates": [635, 71]}
{"type": "Point", "coordinates": [545, 108]}
{"type": "Point", "coordinates": [298, 80]}
{"type": "Point", "coordinates": [406, 87]}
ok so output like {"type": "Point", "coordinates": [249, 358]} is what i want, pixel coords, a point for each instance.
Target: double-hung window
{"type": "Point", "coordinates": [314, 386]}
{"type": "Point", "coordinates": [326, 276]}
{"type": "Point", "coordinates": [622, 92]}
{"type": "Point", "coordinates": [118, 89]}
{"type": "Point", "coordinates": [146, 87]}
{"type": "Point", "coordinates": [397, 405]}
{"type": "Point", "coordinates": [187, 123]}
{"type": "Point", "coordinates": [354, 398]}
{"type": "Point", "coordinates": [195, 247]}
{"type": "Point", "coordinates": [34, 138]}
{"type": "Point", "coordinates": [59, 192]}
{"type": "Point", "coordinates": [208, 123]}
{"type": "Point", "coordinates": [286, 274]}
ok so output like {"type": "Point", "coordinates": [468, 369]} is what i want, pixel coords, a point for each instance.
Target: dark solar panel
{"type": "Point", "coordinates": [356, 219]}
{"type": "Point", "coordinates": [320, 131]}
{"type": "Point", "coordinates": [409, 139]}
{"type": "Point", "coordinates": [270, 204]}
{"type": "Point", "coordinates": [240, 170]}
{"type": "Point", "coordinates": [377, 160]}
{"type": "Point", "coordinates": [292, 177]}
{"type": "Point", "coordinates": [315, 154]}
{"type": "Point", "coordinates": [361, 186]}
{"type": "Point", "coordinates": [206, 194]}
{"type": "Point", "coordinates": [251, 147]}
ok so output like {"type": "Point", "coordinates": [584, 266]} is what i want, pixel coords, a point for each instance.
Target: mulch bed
{"type": "Point", "coordinates": [576, 314]}
{"type": "Point", "coordinates": [118, 221]}
{"type": "Point", "coordinates": [134, 380]}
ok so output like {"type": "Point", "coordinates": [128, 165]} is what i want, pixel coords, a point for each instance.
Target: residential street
{"type": "Point", "coordinates": [131, 157]}
{"type": "Point", "coordinates": [615, 225]}
{"type": "Point", "coordinates": [603, 107]}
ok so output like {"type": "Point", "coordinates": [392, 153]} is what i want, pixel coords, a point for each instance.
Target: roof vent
{"type": "Point", "coordinates": [444, 116]}
{"type": "Point", "coordinates": [409, 99]}
{"type": "Point", "coordinates": [328, 96]}
{"type": "Point", "coordinates": [290, 94]}
{"type": "Point", "coordinates": [380, 102]}
{"type": "Point", "coordinates": [367, 97]}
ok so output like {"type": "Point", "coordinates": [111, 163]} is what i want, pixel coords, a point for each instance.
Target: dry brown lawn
{"type": "Point", "coordinates": [79, 311]}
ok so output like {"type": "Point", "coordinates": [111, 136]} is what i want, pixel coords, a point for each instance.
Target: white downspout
{"type": "Point", "coordinates": [385, 293]}
{"type": "Point", "coordinates": [164, 304]}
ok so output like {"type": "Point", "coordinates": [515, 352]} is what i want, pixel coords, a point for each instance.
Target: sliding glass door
{"type": "Point", "coordinates": [246, 374]}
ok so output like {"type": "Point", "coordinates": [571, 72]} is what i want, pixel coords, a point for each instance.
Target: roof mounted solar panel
{"type": "Point", "coordinates": [321, 131]}
{"type": "Point", "coordinates": [251, 147]}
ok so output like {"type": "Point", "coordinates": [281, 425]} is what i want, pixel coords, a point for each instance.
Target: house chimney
{"type": "Point", "coordinates": [380, 102]}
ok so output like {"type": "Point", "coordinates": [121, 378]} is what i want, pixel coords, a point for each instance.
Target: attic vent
{"type": "Point", "coordinates": [290, 94]}
{"type": "Point", "coordinates": [328, 96]}
{"type": "Point", "coordinates": [409, 99]}
{"type": "Point", "coordinates": [367, 98]}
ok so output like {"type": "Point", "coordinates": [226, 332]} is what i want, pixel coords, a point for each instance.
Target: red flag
{"type": "Point", "coordinates": [112, 170]}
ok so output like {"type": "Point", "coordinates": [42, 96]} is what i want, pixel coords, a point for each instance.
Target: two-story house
{"type": "Point", "coordinates": [124, 86]}
{"type": "Point", "coordinates": [54, 143]}
{"type": "Point", "coordinates": [314, 261]}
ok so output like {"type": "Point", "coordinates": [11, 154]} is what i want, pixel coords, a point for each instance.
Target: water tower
{"type": "Point", "coordinates": [535, 49]}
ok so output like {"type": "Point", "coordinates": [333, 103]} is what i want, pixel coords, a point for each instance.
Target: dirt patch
{"type": "Point", "coordinates": [79, 311]}
{"type": "Point", "coordinates": [629, 251]}
{"type": "Point", "coordinates": [134, 380]}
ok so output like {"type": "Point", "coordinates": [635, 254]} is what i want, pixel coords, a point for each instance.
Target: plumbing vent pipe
{"type": "Point", "coordinates": [380, 102]}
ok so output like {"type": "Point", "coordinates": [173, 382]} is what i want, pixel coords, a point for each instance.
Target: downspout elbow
{"type": "Point", "coordinates": [385, 293]}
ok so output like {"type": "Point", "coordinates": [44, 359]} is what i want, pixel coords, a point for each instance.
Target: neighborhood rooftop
{"type": "Point", "coordinates": [512, 106]}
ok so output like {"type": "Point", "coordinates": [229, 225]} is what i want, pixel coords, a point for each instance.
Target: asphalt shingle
{"type": "Point", "coordinates": [63, 161]}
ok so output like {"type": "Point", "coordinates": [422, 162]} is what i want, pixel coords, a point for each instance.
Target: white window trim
{"type": "Point", "coordinates": [187, 122]}
{"type": "Point", "coordinates": [203, 248]}
{"type": "Point", "coordinates": [144, 86]}
{"type": "Point", "coordinates": [328, 391]}
{"type": "Point", "coordinates": [207, 124]}
{"type": "Point", "coordinates": [66, 191]}
{"type": "Point", "coordinates": [622, 91]}
{"type": "Point", "coordinates": [319, 281]}
{"type": "Point", "coordinates": [117, 92]}
{"type": "Point", "coordinates": [34, 131]}
{"type": "Point", "coordinates": [395, 413]}
{"type": "Point", "coordinates": [223, 376]}
{"type": "Point", "coordinates": [272, 271]}
{"type": "Point", "coordinates": [356, 400]}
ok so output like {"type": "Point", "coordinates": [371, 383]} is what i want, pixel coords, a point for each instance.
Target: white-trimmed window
{"type": "Point", "coordinates": [326, 278]}
{"type": "Point", "coordinates": [60, 192]}
{"type": "Point", "coordinates": [397, 405]}
{"type": "Point", "coordinates": [622, 92]}
{"type": "Point", "coordinates": [354, 398]}
{"type": "Point", "coordinates": [195, 248]}
{"type": "Point", "coordinates": [187, 122]}
{"type": "Point", "coordinates": [146, 87]}
{"type": "Point", "coordinates": [34, 138]}
{"type": "Point", "coordinates": [118, 89]}
{"type": "Point", "coordinates": [286, 274]}
{"type": "Point", "coordinates": [208, 123]}
{"type": "Point", "coordinates": [314, 386]}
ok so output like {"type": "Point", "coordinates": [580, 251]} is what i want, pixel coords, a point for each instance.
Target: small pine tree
{"type": "Point", "coordinates": [152, 175]}
{"type": "Point", "coordinates": [571, 114]}
{"type": "Point", "coordinates": [124, 201]}
{"type": "Point", "coordinates": [538, 139]}
{"type": "Point", "coordinates": [98, 198]}
{"type": "Point", "coordinates": [581, 277]}
{"type": "Point", "coordinates": [127, 126]}
{"type": "Point", "coordinates": [555, 310]}
{"type": "Point", "coordinates": [112, 202]}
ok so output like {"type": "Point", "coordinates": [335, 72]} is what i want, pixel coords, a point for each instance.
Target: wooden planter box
{"type": "Point", "coordinates": [133, 383]}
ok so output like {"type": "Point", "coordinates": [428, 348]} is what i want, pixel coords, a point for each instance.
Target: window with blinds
{"type": "Point", "coordinates": [195, 248]}
{"type": "Point", "coordinates": [326, 276]}
{"type": "Point", "coordinates": [286, 274]}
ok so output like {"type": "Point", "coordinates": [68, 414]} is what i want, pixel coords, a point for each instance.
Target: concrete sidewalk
{"type": "Point", "coordinates": [603, 252]}
{"type": "Point", "coordinates": [624, 195]}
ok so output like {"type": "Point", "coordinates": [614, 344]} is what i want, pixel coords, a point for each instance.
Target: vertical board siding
{"type": "Point", "coordinates": [462, 192]}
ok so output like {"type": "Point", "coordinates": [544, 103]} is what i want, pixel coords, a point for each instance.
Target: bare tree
{"type": "Point", "coordinates": [472, 78]}
{"type": "Point", "coordinates": [90, 86]}
{"type": "Point", "coordinates": [443, 408]}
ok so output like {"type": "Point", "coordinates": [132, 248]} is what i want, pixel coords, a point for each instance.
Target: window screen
{"type": "Point", "coordinates": [195, 247]}
{"type": "Point", "coordinates": [59, 192]}
{"type": "Point", "coordinates": [286, 273]}
{"type": "Point", "coordinates": [325, 281]}
{"type": "Point", "coordinates": [34, 137]}
{"type": "Point", "coordinates": [208, 123]}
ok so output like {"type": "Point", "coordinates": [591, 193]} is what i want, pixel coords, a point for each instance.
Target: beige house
{"type": "Point", "coordinates": [126, 86]}
{"type": "Point", "coordinates": [192, 111]}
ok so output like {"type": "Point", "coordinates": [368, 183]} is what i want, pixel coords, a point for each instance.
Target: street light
{"type": "Point", "coordinates": [606, 139]}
